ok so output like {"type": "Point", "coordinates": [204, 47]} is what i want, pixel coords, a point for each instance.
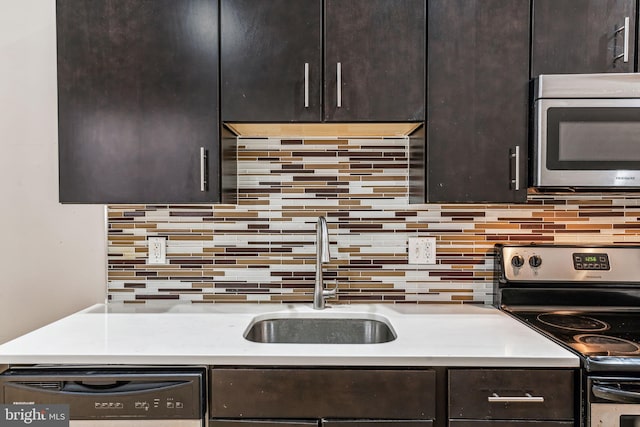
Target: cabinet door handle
{"type": "Point", "coordinates": [625, 53]}
{"type": "Point", "coordinates": [306, 85]}
{"type": "Point", "coordinates": [516, 155]}
{"type": "Point", "coordinates": [339, 84]}
{"type": "Point", "coordinates": [626, 39]}
{"type": "Point", "coordinates": [203, 169]}
{"type": "Point", "coordinates": [527, 398]}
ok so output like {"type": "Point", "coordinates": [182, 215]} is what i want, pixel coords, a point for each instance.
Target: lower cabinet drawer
{"type": "Point", "coordinates": [510, 394]}
{"type": "Point", "coordinates": [320, 423]}
{"type": "Point", "coordinates": [263, 423]}
{"type": "Point", "coordinates": [376, 423]}
{"type": "Point", "coordinates": [502, 423]}
{"type": "Point", "coordinates": [337, 394]}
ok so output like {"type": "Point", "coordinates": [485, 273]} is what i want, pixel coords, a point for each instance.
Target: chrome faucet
{"type": "Point", "coordinates": [322, 257]}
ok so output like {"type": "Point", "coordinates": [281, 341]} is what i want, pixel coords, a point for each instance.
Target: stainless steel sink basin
{"type": "Point", "coordinates": [320, 330]}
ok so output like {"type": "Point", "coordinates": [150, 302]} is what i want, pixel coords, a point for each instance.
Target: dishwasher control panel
{"type": "Point", "coordinates": [108, 393]}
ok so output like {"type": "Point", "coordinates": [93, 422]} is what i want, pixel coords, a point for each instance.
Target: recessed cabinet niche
{"type": "Point", "coordinates": [138, 101]}
{"type": "Point", "coordinates": [272, 55]}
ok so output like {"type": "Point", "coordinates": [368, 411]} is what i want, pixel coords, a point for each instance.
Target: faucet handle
{"type": "Point", "coordinates": [329, 293]}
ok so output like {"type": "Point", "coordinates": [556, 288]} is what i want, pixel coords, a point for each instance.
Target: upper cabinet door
{"type": "Point", "coordinates": [271, 60]}
{"type": "Point", "coordinates": [374, 60]}
{"type": "Point", "coordinates": [477, 100]}
{"type": "Point", "coordinates": [583, 36]}
{"type": "Point", "coordinates": [137, 101]}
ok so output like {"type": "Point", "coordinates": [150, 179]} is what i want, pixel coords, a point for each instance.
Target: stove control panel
{"type": "Point", "coordinates": [591, 261]}
{"type": "Point", "coordinates": [560, 263]}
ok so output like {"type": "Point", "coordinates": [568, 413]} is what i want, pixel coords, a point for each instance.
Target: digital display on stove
{"type": "Point", "coordinates": [591, 261]}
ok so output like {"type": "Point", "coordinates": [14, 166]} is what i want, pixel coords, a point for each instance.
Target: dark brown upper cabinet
{"type": "Point", "coordinates": [477, 102]}
{"type": "Point", "coordinates": [374, 60]}
{"type": "Point", "coordinates": [583, 36]}
{"type": "Point", "coordinates": [271, 60]}
{"type": "Point", "coordinates": [138, 101]}
{"type": "Point", "coordinates": [273, 51]}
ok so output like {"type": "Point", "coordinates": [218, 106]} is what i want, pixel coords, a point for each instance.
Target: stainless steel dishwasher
{"type": "Point", "coordinates": [112, 396]}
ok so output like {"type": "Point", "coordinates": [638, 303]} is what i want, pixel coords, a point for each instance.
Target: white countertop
{"type": "Point", "coordinates": [212, 334]}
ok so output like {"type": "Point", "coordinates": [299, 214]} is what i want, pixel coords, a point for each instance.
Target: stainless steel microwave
{"type": "Point", "coordinates": [586, 131]}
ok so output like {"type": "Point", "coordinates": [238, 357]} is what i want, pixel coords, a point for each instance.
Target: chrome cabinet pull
{"type": "Point", "coordinates": [516, 155]}
{"type": "Point", "coordinates": [306, 85]}
{"type": "Point", "coordinates": [203, 169]}
{"type": "Point", "coordinates": [527, 398]}
{"type": "Point", "coordinates": [625, 53]}
{"type": "Point", "coordinates": [339, 85]}
{"type": "Point", "coordinates": [626, 39]}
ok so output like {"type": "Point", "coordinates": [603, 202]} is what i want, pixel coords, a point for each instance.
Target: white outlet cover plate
{"type": "Point", "coordinates": [422, 250]}
{"type": "Point", "coordinates": [157, 250]}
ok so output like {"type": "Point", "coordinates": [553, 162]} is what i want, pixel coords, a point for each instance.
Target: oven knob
{"type": "Point", "coordinates": [535, 261]}
{"type": "Point", "coordinates": [517, 261]}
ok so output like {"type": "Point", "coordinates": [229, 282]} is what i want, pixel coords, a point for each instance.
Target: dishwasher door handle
{"type": "Point", "coordinates": [95, 388]}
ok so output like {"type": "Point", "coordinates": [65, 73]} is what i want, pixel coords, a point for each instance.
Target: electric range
{"type": "Point", "coordinates": [586, 298]}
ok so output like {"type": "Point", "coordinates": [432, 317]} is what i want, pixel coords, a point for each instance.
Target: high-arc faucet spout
{"type": "Point", "coordinates": [322, 257]}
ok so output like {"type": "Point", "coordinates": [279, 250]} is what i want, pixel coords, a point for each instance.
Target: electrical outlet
{"type": "Point", "coordinates": [422, 250]}
{"type": "Point", "coordinates": [157, 250]}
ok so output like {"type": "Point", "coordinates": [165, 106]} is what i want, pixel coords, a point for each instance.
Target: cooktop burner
{"type": "Point", "coordinates": [603, 345]}
{"type": "Point", "coordinates": [612, 333]}
{"type": "Point", "coordinates": [572, 322]}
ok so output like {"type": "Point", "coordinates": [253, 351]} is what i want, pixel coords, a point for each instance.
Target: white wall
{"type": "Point", "coordinates": [52, 256]}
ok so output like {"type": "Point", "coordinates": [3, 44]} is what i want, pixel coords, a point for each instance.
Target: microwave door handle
{"type": "Point", "coordinates": [615, 394]}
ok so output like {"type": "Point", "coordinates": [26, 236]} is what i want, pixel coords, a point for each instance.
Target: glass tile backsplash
{"type": "Point", "coordinates": [263, 248]}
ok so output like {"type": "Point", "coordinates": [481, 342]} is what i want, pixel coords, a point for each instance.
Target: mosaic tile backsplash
{"type": "Point", "coordinates": [263, 248]}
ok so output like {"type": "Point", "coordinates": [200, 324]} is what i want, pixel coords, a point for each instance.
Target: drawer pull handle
{"type": "Point", "coordinates": [527, 398]}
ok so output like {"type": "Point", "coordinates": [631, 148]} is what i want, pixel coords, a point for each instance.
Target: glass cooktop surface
{"type": "Point", "coordinates": [590, 333]}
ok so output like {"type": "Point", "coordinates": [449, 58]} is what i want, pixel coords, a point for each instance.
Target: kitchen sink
{"type": "Point", "coordinates": [320, 330]}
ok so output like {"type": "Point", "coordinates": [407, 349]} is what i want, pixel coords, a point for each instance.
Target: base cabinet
{"type": "Point", "coordinates": [500, 423]}
{"type": "Point", "coordinates": [262, 423]}
{"type": "Point", "coordinates": [275, 397]}
{"type": "Point", "coordinates": [320, 423]}
{"type": "Point", "coordinates": [391, 397]}
{"type": "Point", "coordinates": [511, 397]}
{"type": "Point", "coordinates": [376, 423]}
